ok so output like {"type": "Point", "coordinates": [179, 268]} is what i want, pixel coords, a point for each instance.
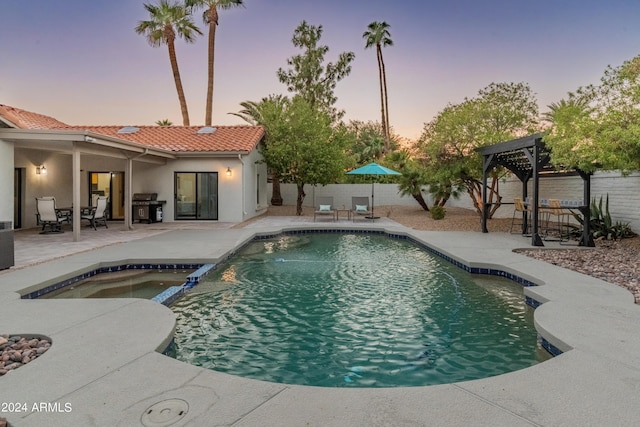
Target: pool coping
{"type": "Point", "coordinates": [116, 373]}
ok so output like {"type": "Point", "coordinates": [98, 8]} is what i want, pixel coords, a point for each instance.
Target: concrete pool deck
{"type": "Point", "coordinates": [104, 368]}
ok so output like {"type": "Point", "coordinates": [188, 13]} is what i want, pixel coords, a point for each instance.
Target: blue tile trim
{"type": "Point", "coordinates": [169, 295]}
{"type": "Point", "coordinates": [194, 278]}
{"type": "Point", "coordinates": [170, 349]}
{"type": "Point", "coordinates": [111, 269]}
{"type": "Point", "coordinates": [552, 349]}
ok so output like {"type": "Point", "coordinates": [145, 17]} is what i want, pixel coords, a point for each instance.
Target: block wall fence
{"type": "Point", "coordinates": [623, 191]}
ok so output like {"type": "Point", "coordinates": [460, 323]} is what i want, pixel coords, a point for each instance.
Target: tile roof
{"type": "Point", "coordinates": [23, 119]}
{"type": "Point", "coordinates": [186, 138]}
{"type": "Point", "coordinates": [172, 138]}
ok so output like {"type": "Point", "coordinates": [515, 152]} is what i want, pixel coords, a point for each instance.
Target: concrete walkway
{"type": "Point", "coordinates": [103, 368]}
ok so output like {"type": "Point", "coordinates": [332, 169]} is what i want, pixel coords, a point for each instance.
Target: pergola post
{"type": "Point", "coordinates": [535, 237]}
{"type": "Point", "coordinates": [586, 239]}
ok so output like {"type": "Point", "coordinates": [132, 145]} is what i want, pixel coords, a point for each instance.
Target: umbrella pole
{"type": "Point", "coordinates": [373, 214]}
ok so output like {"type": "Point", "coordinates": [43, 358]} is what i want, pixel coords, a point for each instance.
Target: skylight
{"type": "Point", "coordinates": [128, 129]}
{"type": "Point", "coordinates": [207, 129]}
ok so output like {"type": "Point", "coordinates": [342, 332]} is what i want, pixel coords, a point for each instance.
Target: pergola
{"type": "Point", "coordinates": [527, 158]}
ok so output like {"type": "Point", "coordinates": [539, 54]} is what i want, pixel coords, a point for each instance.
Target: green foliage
{"type": "Point", "coordinates": [500, 112]}
{"type": "Point", "coordinates": [302, 146]}
{"type": "Point", "coordinates": [598, 126]}
{"type": "Point", "coordinates": [308, 76]}
{"type": "Point", "coordinates": [438, 212]}
{"type": "Point", "coordinates": [601, 224]}
{"type": "Point", "coordinates": [367, 141]}
{"type": "Point", "coordinates": [413, 178]}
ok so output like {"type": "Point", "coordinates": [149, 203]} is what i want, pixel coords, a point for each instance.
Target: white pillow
{"type": "Point", "coordinates": [361, 208]}
{"type": "Point", "coordinates": [325, 208]}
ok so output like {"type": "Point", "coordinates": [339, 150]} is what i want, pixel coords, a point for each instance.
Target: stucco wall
{"type": "Point", "coordinates": [57, 182]}
{"type": "Point", "coordinates": [147, 178]}
{"type": "Point", "coordinates": [255, 185]}
{"type": "Point", "coordinates": [624, 194]}
{"type": "Point", "coordinates": [151, 178]}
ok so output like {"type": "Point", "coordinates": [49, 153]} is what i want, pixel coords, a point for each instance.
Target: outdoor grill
{"type": "Point", "coordinates": [147, 207]}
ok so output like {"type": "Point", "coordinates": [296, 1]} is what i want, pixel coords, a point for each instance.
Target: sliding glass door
{"type": "Point", "coordinates": [196, 195]}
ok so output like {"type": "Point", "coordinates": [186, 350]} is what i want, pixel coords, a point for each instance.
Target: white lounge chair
{"type": "Point", "coordinates": [324, 206]}
{"type": "Point", "coordinates": [47, 215]}
{"type": "Point", "coordinates": [360, 207]}
{"type": "Point", "coordinates": [98, 214]}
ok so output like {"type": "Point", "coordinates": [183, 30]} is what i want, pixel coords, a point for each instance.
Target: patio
{"type": "Point", "coordinates": [113, 377]}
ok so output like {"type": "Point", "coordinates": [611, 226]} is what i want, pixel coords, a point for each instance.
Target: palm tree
{"type": "Point", "coordinates": [210, 17]}
{"type": "Point", "coordinates": [265, 113]}
{"type": "Point", "coordinates": [168, 21]}
{"type": "Point", "coordinates": [164, 122]}
{"type": "Point", "coordinates": [378, 35]}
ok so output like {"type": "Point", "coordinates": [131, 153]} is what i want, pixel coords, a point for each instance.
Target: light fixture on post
{"type": "Point", "coordinates": [41, 170]}
{"type": "Point", "coordinates": [228, 171]}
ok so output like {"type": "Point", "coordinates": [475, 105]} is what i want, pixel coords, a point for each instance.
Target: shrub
{"type": "Point", "coordinates": [437, 212]}
{"type": "Point", "coordinates": [602, 225]}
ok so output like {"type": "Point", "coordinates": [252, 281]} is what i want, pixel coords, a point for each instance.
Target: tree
{"type": "Point", "coordinates": [308, 77]}
{"type": "Point", "coordinates": [598, 126]}
{"type": "Point", "coordinates": [266, 112]}
{"type": "Point", "coordinates": [500, 112]}
{"type": "Point", "coordinates": [164, 122]}
{"type": "Point", "coordinates": [413, 178]}
{"type": "Point", "coordinates": [378, 35]}
{"type": "Point", "coordinates": [210, 17]}
{"type": "Point", "coordinates": [367, 141]}
{"type": "Point", "coordinates": [168, 21]}
{"type": "Point", "coordinates": [303, 147]}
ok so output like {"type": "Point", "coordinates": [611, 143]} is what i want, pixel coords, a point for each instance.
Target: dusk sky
{"type": "Point", "coordinates": [81, 61]}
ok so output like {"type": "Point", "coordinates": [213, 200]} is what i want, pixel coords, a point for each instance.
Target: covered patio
{"type": "Point", "coordinates": [40, 143]}
{"type": "Point", "coordinates": [528, 158]}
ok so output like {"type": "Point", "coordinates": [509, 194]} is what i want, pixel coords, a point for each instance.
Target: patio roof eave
{"type": "Point", "coordinates": [61, 137]}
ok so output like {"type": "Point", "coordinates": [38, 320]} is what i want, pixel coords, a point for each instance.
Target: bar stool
{"type": "Point", "coordinates": [560, 225]}
{"type": "Point", "coordinates": [520, 212]}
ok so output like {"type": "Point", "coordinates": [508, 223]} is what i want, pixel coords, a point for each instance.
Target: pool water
{"type": "Point", "coordinates": [144, 284]}
{"type": "Point", "coordinates": [361, 310]}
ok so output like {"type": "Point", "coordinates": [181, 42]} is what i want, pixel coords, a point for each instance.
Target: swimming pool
{"type": "Point", "coordinates": [145, 284]}
{"type": "Point", "coordinates": [355, 310]}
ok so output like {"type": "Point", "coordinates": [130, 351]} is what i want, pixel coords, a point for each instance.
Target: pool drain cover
{"type": "Point", "coordinates": [165, 413]}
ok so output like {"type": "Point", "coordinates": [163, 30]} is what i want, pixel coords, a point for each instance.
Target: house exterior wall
{"type": "Point", "coordinates": [148, 178]}
{"type": "Point", "coordinates": [256, 198]}
{"type": "Point", "coordinates": [57, 182]}
{"type": "Point", "coordinates": [6, 181]}
{"type": "Point", "coordinates": [624, 194]}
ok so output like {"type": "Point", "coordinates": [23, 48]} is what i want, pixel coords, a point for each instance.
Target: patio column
{"type": "Point", "coordinates": [75, 167]}
{"type": "Point", "coordinates": [128, 221]}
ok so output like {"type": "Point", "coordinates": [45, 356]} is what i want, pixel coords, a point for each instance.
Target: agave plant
{"type": "Point", "coordinates": [601, 224]}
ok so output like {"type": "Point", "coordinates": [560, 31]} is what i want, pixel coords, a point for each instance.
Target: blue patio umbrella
{"type": "Point", "coordinates": [373, 169]}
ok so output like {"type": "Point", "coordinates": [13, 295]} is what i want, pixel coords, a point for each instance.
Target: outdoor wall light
{"type": "Point", "coordinates": [228, 171]}
{"type": "Point", "coordinates": [41, 170]}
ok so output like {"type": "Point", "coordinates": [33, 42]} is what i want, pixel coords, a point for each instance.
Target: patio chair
{"type": "Point", "coordinates": [557, 228]}
{"type": "Point", "coordinates": [98, 214]}
{"type": "Point", "coordinates": [360, 207]}
{"type": "Point", "coordinates": [324, 206]}
{"type": "Point", "coordinates": [521, 213]}
{"type": "Point", "coordinates": [47, 215]}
